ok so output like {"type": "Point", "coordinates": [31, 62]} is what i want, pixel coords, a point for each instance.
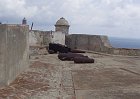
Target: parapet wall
{"type": "Point", "coordinates": [97, 43]}
{"type": "Point", "coordinates": [87, 42]}
{"type": "Point", "coordinates": [124, 51]}
{"type": "Point", "coordinates": [13, 51]}
{"type": "Point", "coordinates": [40, 38]}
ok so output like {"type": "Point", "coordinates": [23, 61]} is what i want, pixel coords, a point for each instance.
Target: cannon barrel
{"type": "Point", "coordinates": [58, 48]}
{"type": "Point", "coordinates": [83, 60]}
{"type": "Point", "coordinates": [77, 51]}
{"type": "Point", "coordinates": [69, 56]}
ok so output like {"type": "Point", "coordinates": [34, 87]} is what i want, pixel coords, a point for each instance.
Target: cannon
{"type": "Point", "coordinates": [77, 51]}
{"type": "Point", "coordinates": [58, 48]}
{"type": "Point", "coordinates": [83, 60]}
{"type": "Point", "coordinates": [69, 56]}
{"type": "Point", "coordinates": [51, 52]}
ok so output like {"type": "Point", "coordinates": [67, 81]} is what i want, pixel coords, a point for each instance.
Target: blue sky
{"type": "Point", "coordinates": [117, 18]}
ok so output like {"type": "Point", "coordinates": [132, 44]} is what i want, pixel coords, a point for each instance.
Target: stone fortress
{"type": "Point", "coordinates": [97, 43]}
{"type": "Point", "coordinates": [17, 39]}
{"type": "Point", "coordinates": [115, 72]}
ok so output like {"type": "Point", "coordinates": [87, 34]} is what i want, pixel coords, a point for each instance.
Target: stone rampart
{"type": "Point", "coordinates": [41, 38]}
{"type": "Point", "coordinates": [14, 49]}
{"type": "Point", "coordinates": [97, 43]}
{"type": "Point", "coordinates": [88, 42]}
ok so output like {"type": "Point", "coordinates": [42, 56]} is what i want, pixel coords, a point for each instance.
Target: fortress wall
{"type": "Point", "coordinates": [39, 38]}
{"type": "Point", "coordinates": [13, 51]}
{"type": "Point", "coordinates": [97, 43]}
{"type": "Point", "coordinates": [124, 51]}
{"type": "Point", "coordinates": [88, 42]}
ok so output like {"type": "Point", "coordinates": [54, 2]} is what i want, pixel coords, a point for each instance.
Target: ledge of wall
{"type": "Point", "coordinates": [124, 51]}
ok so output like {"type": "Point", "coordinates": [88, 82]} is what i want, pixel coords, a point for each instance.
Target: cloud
{"type": "Point", "coordinates": [16, 8]}
{"type": "Point", "coordinates": [108, 17]}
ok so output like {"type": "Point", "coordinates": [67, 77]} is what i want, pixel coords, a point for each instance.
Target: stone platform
{"type": "Point", "coordinates": [110, 77]}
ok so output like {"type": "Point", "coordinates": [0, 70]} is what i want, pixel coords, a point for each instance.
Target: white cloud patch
{"type": "Point", "coordinates": [16, 8]}
{"type": "Point", "coordinates": [108, 17]}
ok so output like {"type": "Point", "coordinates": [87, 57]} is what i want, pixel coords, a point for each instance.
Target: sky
{"type": "Point", "coordinates": [116, 18]}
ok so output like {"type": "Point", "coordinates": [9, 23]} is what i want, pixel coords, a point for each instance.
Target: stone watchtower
{"type": "Point", "coordinates": [62, 25]}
